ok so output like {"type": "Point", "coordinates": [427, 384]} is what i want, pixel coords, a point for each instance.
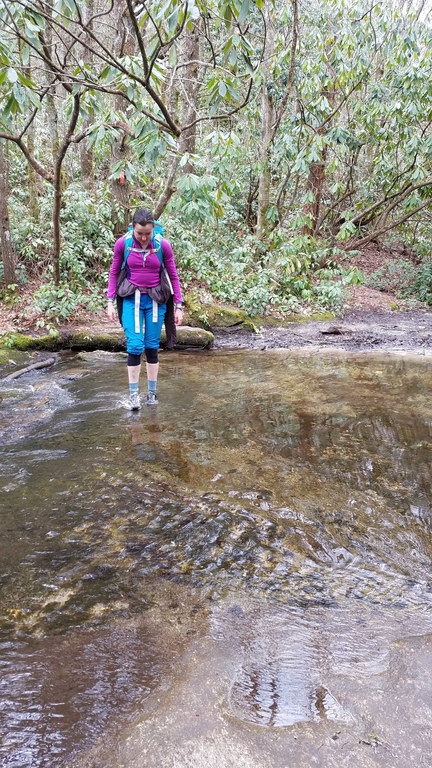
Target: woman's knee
{"type": "Point", "coordinates": [134, 346]}
{"type": "Point", "coordinates": [133, 360]}
{"type": "Point", "coordinates": [151, 355]}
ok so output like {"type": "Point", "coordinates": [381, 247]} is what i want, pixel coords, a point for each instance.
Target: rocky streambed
{"type": "Point", "coordinates": [240, 576]}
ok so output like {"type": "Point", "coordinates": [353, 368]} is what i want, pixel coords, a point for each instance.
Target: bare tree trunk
{"type": "Point", "coordinates": [169, 188]}
{"type": "Point", "coordinates": [52, 118]}
{"type": "Point", "coordinates": [86, 152]}
{"type": "Point", "coordinates": [267, 119]}
{"type": "Point", "coordinates": [191, 88]}
{"type": "Point", "coordinates": [59, 186]}
{"type": "Point", "coordinates": [51, 110]}
{"type": "Point", "coordinates": [250, 217]}
{"type": "Point", "coordinates": [316, 178]}
{"type": "Point", "coordinates": [315, 185]}
{"type": "Point", "coordinates": [86, 160]}
{"type": "Point", "coordinates": [8, 255]}
{"type": "Point", "coordinates": [32, 177]}
{"type": "Point", "coordinates": [272, 116]}
{"type": "Point", "coordinates": [120, 187]}
{"type": "Point", "coordinates": [187, 139]}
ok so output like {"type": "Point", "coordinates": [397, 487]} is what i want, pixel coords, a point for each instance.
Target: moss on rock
{"type": "Point", "coordinates": [85, 340]}
{"type": "Point", "coordinates": [23, 342]}
{"type": "Point", "coordinates": [216, 316]}
{"type": "Point", "coordinates": [191, 337]}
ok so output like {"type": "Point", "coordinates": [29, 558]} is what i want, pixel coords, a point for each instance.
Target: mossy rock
{"type": "Point", "coordinates": [191, 337]}
{"type": "Point", "coordinates": [216, 317]}
{"type": "Point", "coordinates": [115, 341]}
{"type": "Point", "coordinates": [85, 340]}
{"type": "Point", "coordinates": [22, 342]}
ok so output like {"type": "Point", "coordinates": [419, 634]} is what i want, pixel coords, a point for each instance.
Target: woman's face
{"type": "Point", "coordinates": [143, 233]}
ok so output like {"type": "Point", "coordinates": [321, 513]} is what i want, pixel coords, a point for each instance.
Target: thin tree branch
{"type": "Point", "coordinates": [223, 116]}
{"type": "Point", "coordinates": [34, 113]}
{"type": "Point", "coordinates": [377, 233]}
{"type": "Point", "coordinates": [94, 86]}
{"type": "Point", "coordinates": [47, 175]}
{"type": "Point", "coordinates": [139, 38]}
{"type": "Point", "coordinates": [364, 216]}
{"type": "Point", "coordinates": [68, 136]}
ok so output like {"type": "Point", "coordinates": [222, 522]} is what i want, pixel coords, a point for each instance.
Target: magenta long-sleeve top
{"type": "Point", "coordinates": [144, 273]}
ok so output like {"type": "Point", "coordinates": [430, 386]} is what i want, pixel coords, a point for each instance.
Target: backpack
{"type": "Point", "coordinates": [156, 241]}
{"type": "Point", "coordinates": [160, 293]}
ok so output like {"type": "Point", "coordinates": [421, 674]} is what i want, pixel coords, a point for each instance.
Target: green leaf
{"type": "Point", "coordinates": [227, 13]}
{"type": "Point", "coordinates": [193, 11]}
{"type": "Point", "coordinates": [244, 11]}
{"type": "Point", "coordinates": [25, 55]}
{"type": "Point", "coordinates": [172, 56]}
{"type": "Point", "coordinates": [233, 57]}
{"type": "Point", "coordinates": [12, 75]}
{"type": "Point", "coordinates": [31, 26]}
{"type": "Point", "coordinates": [24, 80]}
{"type": "Point", "coordinates": [11, 107]}
{"type": "Point", "coordinates": [232, 91]}
{"type": "Point", "coordinates": [173, 20]}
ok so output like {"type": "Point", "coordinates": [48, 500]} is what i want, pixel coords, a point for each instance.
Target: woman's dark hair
{"type": "Point", "coordinates": [143, 217]}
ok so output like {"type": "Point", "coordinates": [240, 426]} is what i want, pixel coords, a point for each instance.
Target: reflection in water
{"type": "Point", "coordinates": [60, 692]}
{"type": "Point", "coordinates": [301, 485]}
{"type": "Point", "coordinates": [288, 657]}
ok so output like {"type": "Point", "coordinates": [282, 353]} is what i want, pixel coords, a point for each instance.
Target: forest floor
{"type": "Point", "coordinates": [371, 319]}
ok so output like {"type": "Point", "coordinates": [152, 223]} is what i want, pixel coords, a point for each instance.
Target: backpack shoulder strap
{"type": "Point", "coordinates": [157, 245]}
{"type": "Point", "coordinates": [127, 246]}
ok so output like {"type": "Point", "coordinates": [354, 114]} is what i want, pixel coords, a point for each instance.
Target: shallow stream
{"type": "Point", "coordinates": [274, 510]}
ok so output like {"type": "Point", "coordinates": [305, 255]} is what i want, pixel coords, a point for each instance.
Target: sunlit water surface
{"type": "Point", "coordinates": [294, 489]}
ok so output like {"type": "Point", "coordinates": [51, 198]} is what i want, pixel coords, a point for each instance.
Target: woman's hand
{"type": "Point", "coordinates": [111, 311]}
{"type": "Point", "coordinates": [178, 316]}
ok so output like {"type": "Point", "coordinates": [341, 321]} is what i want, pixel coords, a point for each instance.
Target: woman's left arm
{"type": "Point", "coordinates": [169, 261]}
{"type": "Point", "coordinates": [168, 257]}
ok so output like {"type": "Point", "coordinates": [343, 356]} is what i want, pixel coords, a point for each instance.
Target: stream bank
{"type": "Point", "coordinates": [356, 331]}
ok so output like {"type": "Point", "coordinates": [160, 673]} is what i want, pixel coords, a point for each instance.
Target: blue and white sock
{"type": "Point", "coordinates": [133, 387]}
{"type": "Point", "coordinates": [152, 386]}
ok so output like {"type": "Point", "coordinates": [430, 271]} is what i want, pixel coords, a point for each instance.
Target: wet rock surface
{"type": "Point", "coordinates": [286, 710]}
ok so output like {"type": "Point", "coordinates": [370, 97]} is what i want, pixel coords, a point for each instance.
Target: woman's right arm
{"type": "Point", "coordinates": [116, 266]}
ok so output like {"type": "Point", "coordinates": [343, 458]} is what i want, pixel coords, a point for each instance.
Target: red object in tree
{"type": "Point", "coordinates": [122, 177]}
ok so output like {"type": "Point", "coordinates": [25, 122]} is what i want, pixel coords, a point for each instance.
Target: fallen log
{"type": "Point", "coordinates": [40, 364]}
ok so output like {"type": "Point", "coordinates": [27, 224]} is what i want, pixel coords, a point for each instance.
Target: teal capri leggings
{"type": "Point", "coordinates": [150, 331]}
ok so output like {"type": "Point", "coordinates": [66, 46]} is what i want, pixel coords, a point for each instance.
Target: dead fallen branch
{"type": "Point", "coordinates": [40, 364]}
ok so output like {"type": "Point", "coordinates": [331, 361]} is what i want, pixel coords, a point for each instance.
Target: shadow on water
{"type": "Point", "coordinates": [298, 484]}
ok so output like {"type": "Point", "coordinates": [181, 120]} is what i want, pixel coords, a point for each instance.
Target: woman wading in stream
{"type": "Point", "coordinates": [143, 277]}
